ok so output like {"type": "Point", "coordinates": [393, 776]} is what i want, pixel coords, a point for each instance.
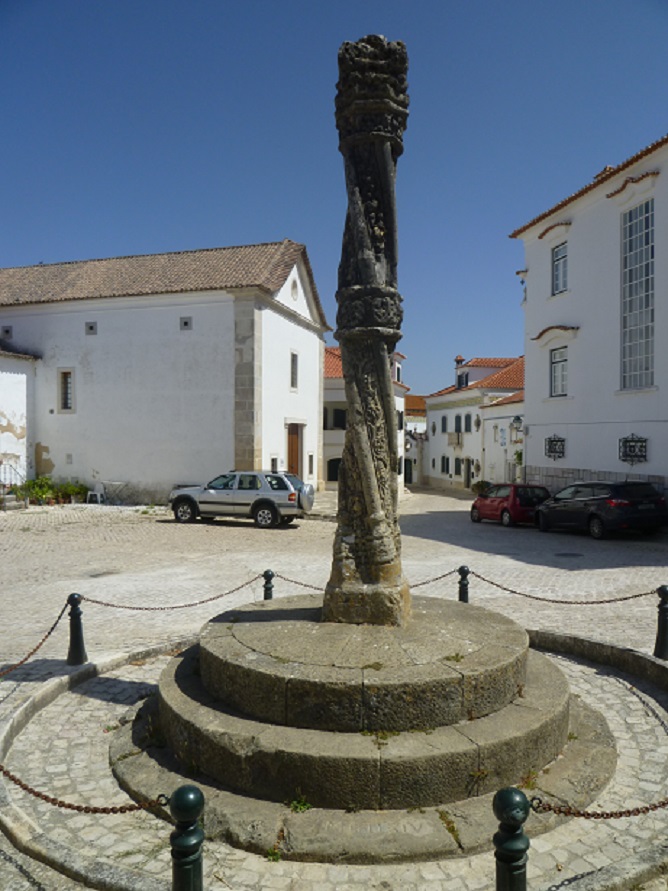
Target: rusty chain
{"type": "Point", "coordinates": [295, 582]}
{"type": "Point", "coordinates": [160, 801]}
{"type": "Point", "coordinates": [562, 602]}
{"type": "Point", "coordinates": [565, 810]}
{"type": "Point", "coordinates": [438, 578]}
{"type": "Point", "coordinates": [175, 606]}
{"type": "Point", "coordinates": [48, 634]}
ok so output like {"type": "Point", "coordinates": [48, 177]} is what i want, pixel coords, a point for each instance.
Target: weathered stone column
{"type": "Point", "coordinates": [367, 584]}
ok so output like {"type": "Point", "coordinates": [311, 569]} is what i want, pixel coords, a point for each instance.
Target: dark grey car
{"type": "Point", "coordinates": [600, 508]}
{"type": "Point", "coordinates": [268, 497]}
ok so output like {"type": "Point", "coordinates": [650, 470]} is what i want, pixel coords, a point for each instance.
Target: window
{"type": "Point", "coordinates": [294, 371]}
{"type": "Point", "coordinates": [638, 297]}
{"type": "Point", "coordinates": [559, 372]}
{"type": "Point", "coordinates": [443, 460]}
{"type": "Point", "coordinates": [274, 465]}
{"type": "Point", "coordinates": [310, 464]}
{"type": "Point", "coordinates": [458, 466]}
{"type": "Point", "coordinates": [467, 423]}
{"type": "Point", "coordinates": [339, 419]}
{"type": "Point", "coordinates": [458, 423]}
{"type": "Point", "coordinates": [66, 390]}
{"type": "Point", "coordinates": [444, 423]}
{"type": "Point", "coordinates": [400, 420]}
{"type": "Point", "coordinates": [560, 268]}
{"type": "Point", "coordinates": [462, 380]}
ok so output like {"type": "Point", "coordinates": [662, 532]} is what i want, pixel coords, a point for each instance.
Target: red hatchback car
{"type": "Point", "coordinates": [509, 503]}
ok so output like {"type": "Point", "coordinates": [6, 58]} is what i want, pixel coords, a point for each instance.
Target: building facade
{"type": "Point", "coordinates": [596, 312]}
{"type": "Point", "coordinates": [168, 368]}
{"type": "Point", "coordinates": [454, 456]}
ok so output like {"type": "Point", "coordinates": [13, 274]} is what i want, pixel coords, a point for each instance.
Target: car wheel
{"type": "Point", "coordinates": [265, 516]}
{"type": "Point", "coordinates": [475, 515]}
{"type": "Point", "coordinates": [506, 519]}
{"type": "Point", "coordinates": [596, 527]}
{"type": "Point", "coordinates": [185, 511]}
{"type": "Point", "coordinates": [543, 522]}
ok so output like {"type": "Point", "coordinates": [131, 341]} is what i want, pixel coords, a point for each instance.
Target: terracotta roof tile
{"type": "Point", "coordinates": [415, 405]}
{"type": "Point", "coordinates": [262, 266]}
{"type": "Point", "coordinates": [333, 362]}
{"type": "Point", "coordinates": [488, 363]}
{"type": "Point", "coordinates": [510, 378]}
{"type": "Point", "coordinates": [603, 177]}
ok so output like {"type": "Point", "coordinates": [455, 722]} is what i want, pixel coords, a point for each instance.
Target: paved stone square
{"type": "Point", "coordinates": [140, 557]}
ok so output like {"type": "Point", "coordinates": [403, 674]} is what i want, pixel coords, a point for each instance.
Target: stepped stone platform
{"type": "Point", "coordinates": [364, 725]}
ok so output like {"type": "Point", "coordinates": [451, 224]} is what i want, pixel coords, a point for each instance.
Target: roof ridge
{"type": "Point", "coordinates": [230, 247]}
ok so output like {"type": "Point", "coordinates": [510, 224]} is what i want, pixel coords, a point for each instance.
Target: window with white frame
{"type": "Point", "coordinates": [560, 268]}
{"type": "Point", "coordinates": [444, 423]}
{"type": "Point", "coordinates": [65, 390]}
{"type": "Point", "coordinates": [638, 297]}
{"type": "Point", "coordinates": [559, 372]}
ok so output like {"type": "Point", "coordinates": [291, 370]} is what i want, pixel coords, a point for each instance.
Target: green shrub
{"type": "Point", "coordinates": [480, 486]}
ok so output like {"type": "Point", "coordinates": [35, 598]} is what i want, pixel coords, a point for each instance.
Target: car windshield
{"type": "Point", "coordinates": [226, 481]}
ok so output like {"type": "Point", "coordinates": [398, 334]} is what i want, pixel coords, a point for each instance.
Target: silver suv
{"type": "Point", "coordinates": [269, 498]}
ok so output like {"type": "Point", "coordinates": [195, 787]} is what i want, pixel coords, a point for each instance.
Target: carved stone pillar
{"type": "Point", "coordinates": [367, 584]}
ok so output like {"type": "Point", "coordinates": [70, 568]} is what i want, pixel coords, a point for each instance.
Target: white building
{"type": "Point", "coordinates": [454, 456]}
{"type": "Point", "coordinates": [503, 439]}
{"type": "Point", "coordinates": [166, 368]}
{"type": "Point", "coordinates": [335, 414]}
{"type": "Point", "coordinates": [596, 313]}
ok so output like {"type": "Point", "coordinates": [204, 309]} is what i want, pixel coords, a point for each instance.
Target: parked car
{"type": "Point", "coordinates": [508, 503]}
{"type": "Point", "coordinates": [268, 497]}
{"type": "Point", "coordinates": [600, 508]}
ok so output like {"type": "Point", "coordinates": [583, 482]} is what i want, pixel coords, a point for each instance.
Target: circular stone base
{"type": "Point", "coordinates": [276, 661]}
{"type": "Point", "coordinates": [142, 765]}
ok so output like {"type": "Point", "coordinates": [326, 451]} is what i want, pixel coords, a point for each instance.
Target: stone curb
{"type": "Point", "coordinates": [23, 833]}
{"type": "Point", "coordinates": [652, 862]}
{"type": "Point", "coordinates": [641, 867]}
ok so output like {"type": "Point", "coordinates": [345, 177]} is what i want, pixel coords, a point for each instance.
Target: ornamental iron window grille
{"type": "Point", "coordinates": [555, 447]}
{"type": "Point", "coordinates": [633, 449]}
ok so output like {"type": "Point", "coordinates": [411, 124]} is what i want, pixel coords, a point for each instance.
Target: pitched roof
{"type": "Point", "coordinates": [506, 400]}
{"type": "Point", "coordinates": [415, 405]}
{"type": "Point", "coordinates": [333, 362]}
{"type": "Point", "coordinates": [603, 177]}
{"type": "Point", "coordinates": [488, 363]}
{"type": "Point", "coordinates": [261, 266]}
{"type": "Point", "coordinates": [510, 378]}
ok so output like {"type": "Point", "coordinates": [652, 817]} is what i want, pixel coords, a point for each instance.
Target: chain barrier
{"type": "Point", "coordinates": [160, 801]}
{"type": "Point", "coordinates": [150, 609]}
{"type": "Point", "coordinates": [48, 634]}
{"type": "Point", "coordinates": [438, 578]}
{"type": "Point", "coordinates": [562, 602]}
{"type": "Point", "coordinates": [565, 810]}
{"type": "Point", "coordinates": [295, 582]}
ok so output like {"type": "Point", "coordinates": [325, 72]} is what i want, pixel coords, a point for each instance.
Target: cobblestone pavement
{"type": "Point", "coordinates": [142, 558]}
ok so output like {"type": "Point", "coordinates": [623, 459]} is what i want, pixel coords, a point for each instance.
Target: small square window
{"type": "Point", "coordinates": [91, 327]}
{"type": "Point", "coordinates": [6, 332]}
{"type": "Point", "coordinates": [186, 323]}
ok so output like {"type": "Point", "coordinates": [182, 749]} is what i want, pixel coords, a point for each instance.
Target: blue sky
{"type": "Point", "coordinates": [142, 126]}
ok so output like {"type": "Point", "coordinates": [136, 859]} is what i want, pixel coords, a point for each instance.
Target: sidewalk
{"type": "Point", "coordinates": [126, 557]}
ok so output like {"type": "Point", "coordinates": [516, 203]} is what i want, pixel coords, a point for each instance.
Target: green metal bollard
{"type": "Point", "coordinates": [186, 806]}
{"type": "Point", "coordinates": [463, 584]}
{"type": "Point", "coordinates": [511, 809]}
{"type": "Point", "coordinates": [661, 645]}
{"type": "Point", "coordinates": [76, 655]}
{"type": "Point", "coordinates": [268, 584]}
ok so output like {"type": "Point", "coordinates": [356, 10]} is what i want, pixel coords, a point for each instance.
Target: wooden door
{"type": "Point", "coordinates": [294, 449]}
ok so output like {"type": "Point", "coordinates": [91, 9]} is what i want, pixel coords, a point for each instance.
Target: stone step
{"type": "Point", "coordinates": [368, 771]}
{"type": "Point", "coordinates": [277, 662]}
